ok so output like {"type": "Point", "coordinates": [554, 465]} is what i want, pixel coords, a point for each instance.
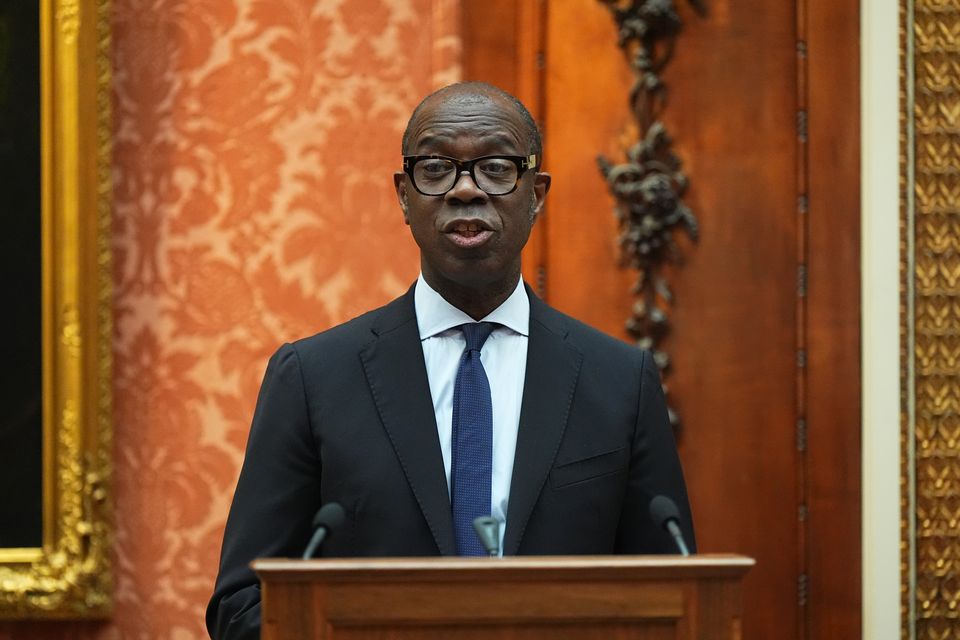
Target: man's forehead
{"type": "Point", "coordinates": [487, 119]}
{"type": "Point", "coordinates": [492, 137]}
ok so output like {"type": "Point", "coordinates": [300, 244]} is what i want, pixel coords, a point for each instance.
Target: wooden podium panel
{"type": "Point", "coordinates": [517, 598]}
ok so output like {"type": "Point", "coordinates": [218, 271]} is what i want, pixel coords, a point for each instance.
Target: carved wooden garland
{"type": "Point", "coordinates": [649, 186]}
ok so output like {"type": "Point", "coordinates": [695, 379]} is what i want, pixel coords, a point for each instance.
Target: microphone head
{"type": "Point", "coordinates": [488, 530]}
{"type": "Point", "coordinates": [330, 515]}
{"type": "Point", "coordinates": [663, 510]}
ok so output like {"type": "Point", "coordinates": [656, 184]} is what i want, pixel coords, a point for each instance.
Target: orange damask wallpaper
{"type": "Point", "coordinates": [254, 146]}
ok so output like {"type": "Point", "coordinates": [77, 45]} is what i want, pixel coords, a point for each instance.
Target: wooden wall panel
{"type": "Point", "coordinates": [833, 320]}
{"type": "Point", "coordinates": [737, 86]}
{"type": "Point", "coordinates": [586, 81]}
{"type": "Point", "coordinates": [733, 115]}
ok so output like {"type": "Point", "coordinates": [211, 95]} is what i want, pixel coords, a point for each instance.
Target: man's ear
{"type": "Point", "coordinates": [400, 184]}
{"type": "Point", "coordinates": [541, 185]}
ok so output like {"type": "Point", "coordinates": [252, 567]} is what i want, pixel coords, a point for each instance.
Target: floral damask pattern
{"type": "Point", "coordinates": [254, 146]}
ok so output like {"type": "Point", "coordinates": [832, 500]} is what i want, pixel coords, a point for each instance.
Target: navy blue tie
{"type": "Point", "coordinates": [472, 441]}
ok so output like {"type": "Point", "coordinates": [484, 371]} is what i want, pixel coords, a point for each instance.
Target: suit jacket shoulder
{"type": "Point", "coordinates": [585, 337]}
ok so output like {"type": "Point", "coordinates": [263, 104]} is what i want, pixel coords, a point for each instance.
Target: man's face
{"type": "Point", "coordinates": [467, 238]}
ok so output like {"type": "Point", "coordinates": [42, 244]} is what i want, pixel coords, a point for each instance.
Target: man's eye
{"type": "Point", "coordinates": [436, 167]}
{"type": "Point", "coordinates": [496, 168]}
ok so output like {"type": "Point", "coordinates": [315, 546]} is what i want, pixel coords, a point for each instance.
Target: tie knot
{"type": "Point", "coordinates": [476, 334]}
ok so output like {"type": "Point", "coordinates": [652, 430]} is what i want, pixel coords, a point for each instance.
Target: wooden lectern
{"type": "Point", "coordinates": [525, 597]}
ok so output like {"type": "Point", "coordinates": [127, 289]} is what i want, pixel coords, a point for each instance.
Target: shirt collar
{"type": "Point", "coordinates": [436, 315]}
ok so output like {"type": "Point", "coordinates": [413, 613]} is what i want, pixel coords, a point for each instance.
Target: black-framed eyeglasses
{"type": "Point", "coordinates": [495, 175]}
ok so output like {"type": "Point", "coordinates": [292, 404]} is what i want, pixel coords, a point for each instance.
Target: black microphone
{"type": "Point", "coordinates": [329, 517]}
{"type": "Point", "coordinates": [665, 514]}
{"type": "Point", "coordinates": [488, 530]}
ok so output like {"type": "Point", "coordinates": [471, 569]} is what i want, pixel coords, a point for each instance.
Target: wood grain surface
{"type": "Point", "coordinates": [509, 598]}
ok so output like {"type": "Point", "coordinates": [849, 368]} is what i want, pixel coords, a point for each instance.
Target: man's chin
{"type": "Point", "coordinates": [470, 275]}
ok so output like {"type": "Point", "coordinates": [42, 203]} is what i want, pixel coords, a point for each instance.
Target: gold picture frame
{"type": "Point", "coordinates": [70, 575]}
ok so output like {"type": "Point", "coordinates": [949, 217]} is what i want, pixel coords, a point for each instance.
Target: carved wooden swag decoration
{"type": "Point", "coordinates": [649, 186]}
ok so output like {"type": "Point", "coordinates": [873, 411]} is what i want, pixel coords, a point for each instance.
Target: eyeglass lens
{"type": "Point", "coordinates": [436, 176]}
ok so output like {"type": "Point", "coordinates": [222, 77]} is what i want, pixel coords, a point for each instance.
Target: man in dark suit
{"type": "Point", "coordinates": [370, 414]}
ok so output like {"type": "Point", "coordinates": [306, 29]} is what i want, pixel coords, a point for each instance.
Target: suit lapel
{"type": "Point", "coordinates": [551, 377]}
{"type": "Point", "coordinates": [395, 370]}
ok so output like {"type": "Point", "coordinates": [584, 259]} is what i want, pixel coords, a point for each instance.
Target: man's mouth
{"type": "Point", "coordinates": [468, 234]}
{"type": "Point", "coordinates": [468, 229]}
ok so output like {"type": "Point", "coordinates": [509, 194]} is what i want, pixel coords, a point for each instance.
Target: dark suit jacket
{"type": "Point", "coordinates": [346, 416]}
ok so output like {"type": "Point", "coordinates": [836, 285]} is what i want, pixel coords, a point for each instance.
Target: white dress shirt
{"type": "Point", "coordinates": [504, 358]}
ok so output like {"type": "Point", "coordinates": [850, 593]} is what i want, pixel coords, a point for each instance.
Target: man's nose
{"type": "Point", "coordinates": [465, 189]}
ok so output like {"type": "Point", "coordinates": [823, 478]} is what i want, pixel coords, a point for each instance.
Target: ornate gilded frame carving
{"type": "Point", "coordinates": [70, 575]}
{"type": "Point", "coordinates": [930, 318]}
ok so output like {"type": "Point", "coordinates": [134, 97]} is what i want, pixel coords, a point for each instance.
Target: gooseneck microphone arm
{"type": "Point", "coordinates": [329, 517]}
{"type": "Point", "coordinates": [665, 514]}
